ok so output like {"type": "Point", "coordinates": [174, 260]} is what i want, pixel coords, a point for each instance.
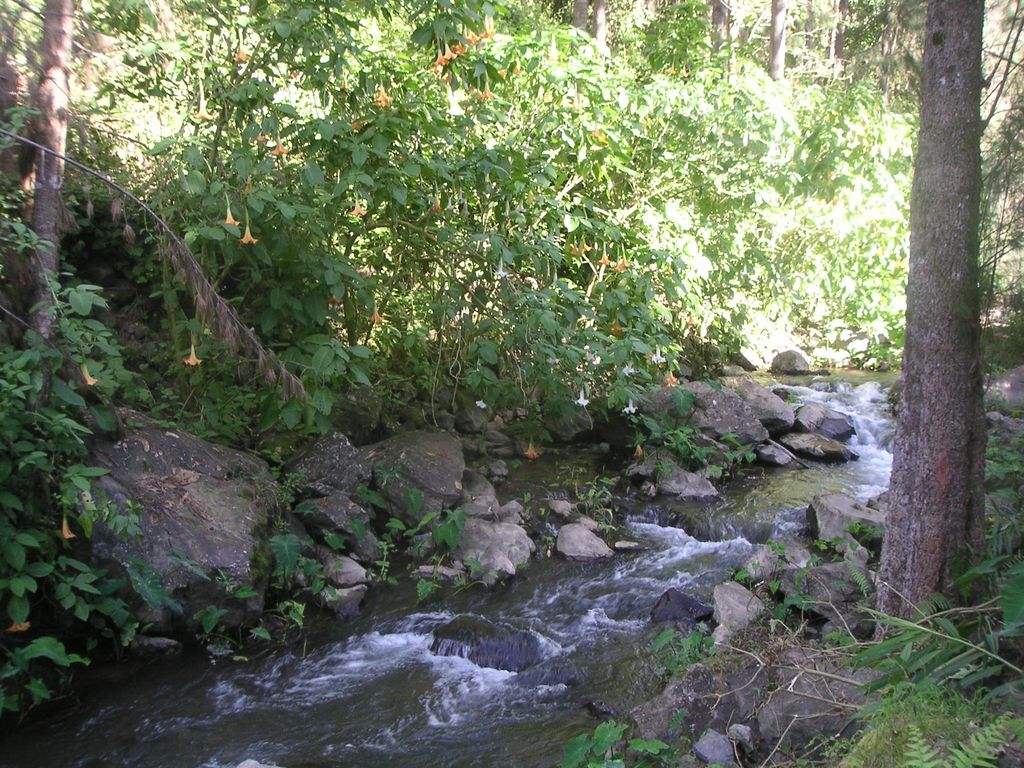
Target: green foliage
{"type": "Point", "coordinates": [675, 652]}
{"type": "Point", "coordinates": [604, 748]}
{"type": "Point", "coordinates": [930, 727]}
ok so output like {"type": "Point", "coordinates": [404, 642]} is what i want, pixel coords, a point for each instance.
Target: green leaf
{"type": "Point", "coordinates": [286, 549]}
{"type": "Point", "coordinates": [65, 394]}
{"type": "Point", "coordinates": [576, 751]}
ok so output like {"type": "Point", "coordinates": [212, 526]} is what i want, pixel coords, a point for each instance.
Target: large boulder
{"type": "Point", "coordinates": [487, 644]}
{"type": "Point", "coordinates": [790, 362]}
{"type": "Point", "coordinates": [714, 410]}
{"type": "Point", "coordinates": [735, 607]}
{"type": "Point", "coordinates": [810, 698]}
{"type": "Point", "coordinates": [709, 699]}
{"type": "Point", "coordinates": [577, 542]}
{"type": "Point", "coordinates": [817, 447]}
{"type": "Point", "coordinates": [203, 511]}
{"type": "Point", "coordinates": [675, 606]}
{"type": "Point", "coordinates": [427, 465]}
{"type": "Point", "coordinates": [338, 514]}
{"type": "Point", "coordinates": [341, 571]}
{"type": "Point", "coordinates": [774, 455]}
{"type": "Point", "coordinates": [771, 410]}
{"type": "Point", "coordinates": [831, 516]}
{"type": "Point", "coordinates": [569, 423]}
{"type": "Point", "coordinates": [772, 559]}
{"type": "Point", "coordinates": [499, 548]}
{"type": "Point", "coordinates": [822, 420]}
{"type": "Point", "coordinates": [330, 465]}
{"type": "Point", "coordinates": [670, 479]}
{"type": "Point", "coordinates": [479, 498]}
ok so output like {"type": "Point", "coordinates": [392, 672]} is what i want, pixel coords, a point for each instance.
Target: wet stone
{"type": "Point", "coordinates": [673, 605]}
{"type": "Point", "coordinates": [487, 644]}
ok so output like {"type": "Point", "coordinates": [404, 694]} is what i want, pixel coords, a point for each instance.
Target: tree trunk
{"type": "Point", "coordinates": [890, 30]}
{"type": "Point", "coordinates": [809, 24]}
{"type": "Point", "coordinates": [936, 518]}
{"type": "Point", "coordinates": [777, 50]}
{"type": "Point", "coordinates": [51, 132]}
{"type": "Point", "coordinates": [720, 19]}
{"type": "Point", "coordinates": [839, 42]}
{"type": "Point", "coordinates": [580, 12]}
{"type": "Point", "coordinates": [600, 28]}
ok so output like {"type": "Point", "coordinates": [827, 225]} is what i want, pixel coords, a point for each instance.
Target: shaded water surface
{"type": "Point", "coordinates": [371, 693]}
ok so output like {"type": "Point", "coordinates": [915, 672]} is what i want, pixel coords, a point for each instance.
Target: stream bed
{"type": "Point", "coordinates": [371, 693]}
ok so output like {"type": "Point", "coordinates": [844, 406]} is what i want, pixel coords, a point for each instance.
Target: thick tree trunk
{"type": "Point", "coordinates": [51, 132]}
{"type": "Point", "coordinates": [839, 41]}
{"type": "Point", "coordinates": [937, 497]}
{"type": "Point", "coordinates": [720, 19]}
{"type": "Point", "coordinates": [777, 45]}
{"type": "Point", "coordinates": [580, 13]}
{"type": "Point", "coordinates": [600, 25]}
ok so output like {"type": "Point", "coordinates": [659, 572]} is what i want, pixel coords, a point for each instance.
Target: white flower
{"type": "Point", "coordinates": [657, 358]}
{"type": "Point", "coordinates": [552, 361]}
{"type": "Point", "coordinates": [501, 272]}
{"type": "Point", "coordinates": [630, 409]}
{"type": "Point", "coordinates": [629, 370]}
{"type": "Point", "coordinates": [593, 359]}
{"type": "Point", "coordinates": [582, 401]}
{"type": "Point", "coordinates": [481, 404]}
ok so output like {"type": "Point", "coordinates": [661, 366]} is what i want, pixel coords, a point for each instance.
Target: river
{"type": "Point", "coordinates": [371, 693]}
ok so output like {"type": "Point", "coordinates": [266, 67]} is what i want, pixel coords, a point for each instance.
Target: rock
{"type": "Point", "coordinates": [428, 463]}
{"type": "Point", "coordinates": [440, 573]}
{"type": "Point", "coordinates": [203, 511]}
{"type": "Point", "coordinates": [710, 700]}
{"type": "Point", "coordinates": [747, 359]}
{"type": "Point", "coordinates": [822, 420]}
{"type": "Point", "coordinates": [742, 736]}
{"type": "Point", "coordinates": [670, 478]}
{"type": "Point", "coordinates": [575, 542]}
{"type": "Point", "coordinates": [330, 465]}
{"type": "Point", "coordinates": [255, 764]}
{"type": "Point", "coordinates": [589, 523]}
{"type": "Point", "coordinates": [487, 644]}
{"type": "Point", "coordinates": [830, 517]}
{"type": "Point", "coordinates": [470, 418]}
{"type": "Point", "coordinates": [569, 424]}
{"type": "Point", "coordinates": [628, 546]}
{"type": "Point", "coordinates": [143, 645]}
{"type": "Point", "coordinates": [716, 411]}
{"type": "Point", "coordinates": [499, 470]}
{"type": "Point", "coordinates": [444, 420]}
{"type": "Point", "coordinates": [359, 414]}
{"type": "Point", "coordinates": [766, 562]}
{"type": "Point", "coordinates": [774, 455]}
{"type": "Point", "coordinates": [1000, 425]}
{"type": "Point", "coordinates": [733, 370]}
{"type": "Point", "coordinates": [344, 603]}
{"type": "Point", "coordinates": [830, 591]}
{"type": "Point", "coordinates": [561, 507]}
{"type": "Point", "coordinates": [714, 748]}
{"type": "Point", "coordinates": [338, 514]}
{"type": "Point", "coordinates": [771, 410]}
{"type": "Point", "coordinates": [341, 571]}
{"type": "Point", "coordinates": [1007, 388]}
{"type": "Point", "coordinates": [790, 362]}
{"type": "Point", "coordinates": [499, 548]}
{"type": "Point", "coordinates": [735, 607]}
{"type": "Point", "coordinates": [511, 512]}
{"type": "Point", "coordinates": [479, 498]}
{"type": "Point", "coordinates": [804, 705]}
{"type": "Point", "coordinates": [497, 439]}
{"type": "Point", "coordinates": [298, 530]}
{"type": "Point", "coordinates": [817, 447]}
{"type": "Point", "coordinates": [673, 605]}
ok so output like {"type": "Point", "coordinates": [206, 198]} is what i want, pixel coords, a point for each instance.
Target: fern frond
{"type": "Point", "coordinates": [918, 752]}
{"type": "Point", "coordinates": [981, 750]}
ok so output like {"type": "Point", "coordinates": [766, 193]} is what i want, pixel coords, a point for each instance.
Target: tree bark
{"type": "Point", "coordinates": [777, 46]}
{"type": "Point", "coordinates": [580, 12]}
{"type": "Point", "coordinates": [936, 518]}
{"type": "Point", "coordinates": [600, 25]}
{"type": "Point", "coordinates": [51, 128]}
{"type": "Point", "coordinates": [839, 41]}
{"type": "Point", "coordinates": [720, 18]}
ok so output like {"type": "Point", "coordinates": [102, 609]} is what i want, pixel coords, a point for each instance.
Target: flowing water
{"type": "Point", "coordinates": [371, 693]}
